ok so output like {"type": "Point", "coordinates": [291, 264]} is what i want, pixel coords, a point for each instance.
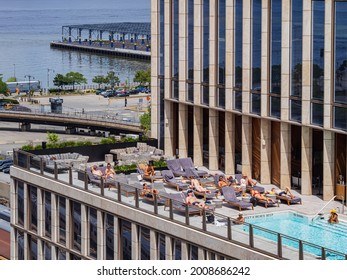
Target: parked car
{"type": "Point", "coordinates": [6, 170]}
{"type": "Point", "coordinates": [108, 93]}
{"type": "Point", "coordinates": [100, 90]}
{"type": "Point", "coordinates": [120, 90]}
{"type": "Point", "coordinates": [5, 166]}
{"type": "Point", "coordinates": [4, 161]}
{"type": "Point", "coordinates": [141, 89]}
{"type": "Point", "coordinates": [133, 91]}
{"type": "Point", "coordinates": [122, 94]}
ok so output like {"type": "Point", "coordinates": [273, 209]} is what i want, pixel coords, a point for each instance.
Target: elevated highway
{"type": "Point", "coordinates": [72, 121]}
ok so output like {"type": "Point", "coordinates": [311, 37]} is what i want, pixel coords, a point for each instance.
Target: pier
{"type": "Point", "coordinates": [126, 39]}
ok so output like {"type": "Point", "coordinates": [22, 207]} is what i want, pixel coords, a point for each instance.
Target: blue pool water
{"type": "Point", "coordinates": [320, 232]}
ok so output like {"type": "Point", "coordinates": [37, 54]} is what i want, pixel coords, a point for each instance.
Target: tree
{"type": "Point", "coordinates": [100, 79]}
{"type": "Point", "coordinates": [3, 86]}
{"type": "Point", "coordinates": [11, 80]}
{"type": "Point", "coordinates": [143, 77]}
{"type": "Point", "coordinates": [60, 81]}
{"type": "Point", "coordinates": [75, 78]}
{"type": "Point", "coordinates": [112, 79]}
{"type": "Point", "coordinates": [145, 121]}
{"type": "Point", "coordinates": [52, 137]}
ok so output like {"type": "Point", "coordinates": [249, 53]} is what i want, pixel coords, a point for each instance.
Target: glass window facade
{"type": "Point", "coordinates": [125, 239]}
{"type": "Point", "coordinates": [205, 138]}
{"type": "Point", "coordinates": [317, 95]}
{"type": "Point", "coordinates": [206, 41]}
{"type": "Point", "coordinates": [238, 56]}
{"type": "Point", "coordinates": [33, 208]}
{"type": "Point", "coordinates": [109, 235]}
{"type": "Point", "coordinates": [190, 51]}
{"type": "Point", "coordinates": [221, 53]}
{"type": "Point", "coordinates": [161, 246]}
{"type": "Point", "coordinates": [161, 113]}
{"type": "Point", "coordinates": [340, 93]}
{"type": "Point", "coordinates": [145, 243]}
{"type": "Point", "coordinates": [76, 225]}
{"type": "Point", "coordinates": [256, 56]}
{"type": "Point", "coordinates": [62, 220]}
{"type": "Point", "coordinates": [20, 203]}
{"type": "Point", "coordinates": [48, 214]}
{"type": "Point", "coordinates": [275, 57]}
{"type": "Point", "coordinates": [296, 61]}
{"type": "Point", "coordinates": [161, 38]}
{"type": "Point", "coordinates": [175, 38]}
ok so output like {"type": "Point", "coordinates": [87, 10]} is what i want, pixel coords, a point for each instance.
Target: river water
{"type": "Point", "coordinates": [28, 27]}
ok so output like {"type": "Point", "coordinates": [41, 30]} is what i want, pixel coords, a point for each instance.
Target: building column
{"type": "Point", "coordinates": [40, 250]}
{"type": "Point", "coordinates": [285, 61]}
{"type": "Point", "coordinates": [168, 138]}
{"type": "Point", "coordinates": [247, 145]}
{"type": "Point", "coordinates": [201, 254]}
{"type": "Point", "coordinates": [213, 139]}
{"type": "Point", "coordinates": [168, 248]}
{"type": "Point", "coordinates": [84, 230]}
{"type": "Point", "coordinates": [229, 143]}
{"type": "Point", "coordinates": [265, 151]}
{"type": "Point", "coordinates": [265, 62]}
{"type": "Point", "coordinates": [13, 219]}
{"type": "Point", "coordinates": [155, 101]}
{"type": "Point", "coordinates": [135, 241]}
{"type": "Point", "coordinates": [213, 62]}
{"type": "Point", "coordinates": [153, 245]}
{"type": "Point", "coordinates": [306, 160]}
{"type": "Point", "coordinates": [182, 56]}
{"type": "Point", "coordinates": [328, 165]}
{"type": "Point", "coordinates": [329, 81]}
{"type": "Point", "coordinates": [182, 131]}
{"type": "Point", "coordinates": [184, 251]}
{"type": "Point", "coordinates": [285, 156]}
{"type": "Point", "coordinates": [101, 254]}
{"type": "Point", "coordinates": [246, 61]}
{"type": "Point", "coordinates": [229, 62]}
{"type": "Point", "coordinates": [306, 64]}
{"type": "Point", "coordinates": [197, 53]}
{"type": "Point", "coordinates": [198, 128]}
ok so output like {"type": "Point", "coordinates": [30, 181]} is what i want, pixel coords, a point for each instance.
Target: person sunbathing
{"type": "Point", "coordinates": [222, 182]}
{"type": "Point", "coordinates": [192, 200]}
{"type": "Point", "coordinates": [109, 172]}
{"type": "Point", "coordinates": [149, 171]}
{"type": "Point", "coordinates": [260, 196]}
{"type": "Point", "coordinates": [195, 184]}
{"type": "Point", "coordinates": [279, 192]}
{"type": "Point", "coordinates": [97, 172]}
{"type": "Point", "coordinates": [148, 192]}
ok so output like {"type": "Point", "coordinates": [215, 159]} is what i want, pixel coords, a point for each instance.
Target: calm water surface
{"type": "Point", "coordinates": [27, 28]}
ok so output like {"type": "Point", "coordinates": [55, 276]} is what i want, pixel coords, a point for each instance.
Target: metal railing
{"type": "Point", "coordinates": [248, 235]}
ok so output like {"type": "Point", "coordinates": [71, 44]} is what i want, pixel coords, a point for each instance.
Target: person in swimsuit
{"type": "Point", "coordinates": [260, 196]}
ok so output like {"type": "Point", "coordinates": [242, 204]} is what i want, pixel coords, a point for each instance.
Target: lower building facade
{"type": "Point", "coordinates": [56, 220]}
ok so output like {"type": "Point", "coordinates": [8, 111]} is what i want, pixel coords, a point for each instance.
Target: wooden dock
{"type": "Point", "coordinates": [127, 50]}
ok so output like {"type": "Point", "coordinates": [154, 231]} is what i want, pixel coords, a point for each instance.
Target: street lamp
{"type": "Point", "coordinates": [49, 70]}
{"type": "Point", "coordinates": [29, 77]}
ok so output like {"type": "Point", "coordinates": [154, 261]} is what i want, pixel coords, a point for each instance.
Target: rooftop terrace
{"type": "Point", "coordinates": [128, 193]}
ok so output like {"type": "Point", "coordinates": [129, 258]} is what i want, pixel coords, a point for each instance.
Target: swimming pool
{"type": "Point", "coordinates": [320, 232]}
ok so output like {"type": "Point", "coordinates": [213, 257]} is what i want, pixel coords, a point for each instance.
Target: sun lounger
{"type": "Point", "coordinates": [267, 203]}
{"type": "Point", "coordinates": [188, 163]}
{"type": "Point", "coordinates": [178, 203]}
{"type": "Point", "coordinates": [175, 166]}
{"type": "Point", "coordinates": [150, 198]}
{"type": "Point", "coordinates": [289, 200]}
{"type": "Point", "coordinates": [170, 179]}
{"type": "Point", "coordinates": [230, 198]}
{"type": "Point", "coordinates": [141, 170]}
